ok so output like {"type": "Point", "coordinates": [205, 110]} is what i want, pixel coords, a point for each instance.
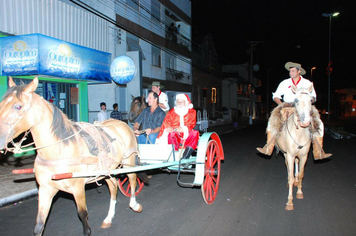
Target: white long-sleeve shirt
{"type": "Point", "coordinates": [285, 89]}
{"type": "Point", "coordinates": [102, 115]}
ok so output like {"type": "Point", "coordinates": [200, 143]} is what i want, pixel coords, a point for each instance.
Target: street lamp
{"type": "Point", "coordinates": [311, 73]}
{"type": "Point", "coordinates": [329, 62]}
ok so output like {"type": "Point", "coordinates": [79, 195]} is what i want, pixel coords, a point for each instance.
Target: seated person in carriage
{"type": "Point", "coordinates": [285, 89]}
{"type": "Point", "coordinates": [179, 126]}
{"type": "Point", "coordinates": [151, 119]}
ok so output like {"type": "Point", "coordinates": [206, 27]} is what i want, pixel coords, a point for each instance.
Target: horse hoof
{"type": "Point", "coordinates": [105, 225]}
{"type": "Point", "coordinates": [138, 208]}
{"type": "Point", "coordinates": [289, 207]}
{"type": "Point", "coordinates": [300, 196]}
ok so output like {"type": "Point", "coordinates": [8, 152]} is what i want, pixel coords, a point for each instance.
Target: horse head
{"type": "Point", "coordinates": [137, 106]}
{"type": "Point", "coordinates": [303, 105]}
{"type": "Point", "coordinates": [14, 109]}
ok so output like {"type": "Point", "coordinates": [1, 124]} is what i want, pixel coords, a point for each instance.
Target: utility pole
{"type": "Point", "coordinates": [252, 91]}
{"type": "Point", "coordinates": [268, 95]}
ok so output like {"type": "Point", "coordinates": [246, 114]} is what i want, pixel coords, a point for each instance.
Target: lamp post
{"type": "Point", "coordinates": [329, 62]}
{"type": "Point", "coordinates": [311, 73]}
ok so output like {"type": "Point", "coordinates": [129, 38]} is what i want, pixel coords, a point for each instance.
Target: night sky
{"type": "Point", "coordinates": [290, 30]}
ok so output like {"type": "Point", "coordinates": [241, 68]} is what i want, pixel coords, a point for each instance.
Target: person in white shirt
{"type": "Point", "coordinates": [102, 115]}
{"type": "Point", "coordinates": [284, 89]}
{"type": "Point", "coordinates": [163, 98]}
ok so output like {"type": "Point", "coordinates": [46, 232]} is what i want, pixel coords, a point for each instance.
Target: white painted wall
{"type": "Point", "coordinates": [56, 19]}
{"type": "Point", "coordinates": [97, 94]}
{"type": "Point", "coordinates": [229, 94]}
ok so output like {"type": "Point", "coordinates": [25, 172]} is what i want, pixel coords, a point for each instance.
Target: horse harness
{"type": "Point", "coordinates": [92, 145]}
{"type": "Point", "coordinates": [310, 127]}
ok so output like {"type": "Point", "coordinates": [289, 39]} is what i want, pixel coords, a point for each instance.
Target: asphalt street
{"type": "Point", "coordinates": [251, 199]}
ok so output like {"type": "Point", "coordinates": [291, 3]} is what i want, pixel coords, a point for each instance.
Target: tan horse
{"type": "Point", "coordinates": [295, 139]}
{"type": "Point", "coordinates": [64, 146]}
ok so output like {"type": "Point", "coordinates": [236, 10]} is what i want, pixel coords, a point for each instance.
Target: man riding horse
{"type": "Point", "coordinates": [274, 122]}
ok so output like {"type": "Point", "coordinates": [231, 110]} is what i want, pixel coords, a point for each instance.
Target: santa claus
{"type": "Point", "coordinates": [179, 124]}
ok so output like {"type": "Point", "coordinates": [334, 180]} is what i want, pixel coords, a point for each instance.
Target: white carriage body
{"type": "Point", "coordinates": [165, 153]}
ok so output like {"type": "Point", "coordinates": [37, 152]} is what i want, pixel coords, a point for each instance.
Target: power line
{"type": "Point", "coordinates": [112, 21]}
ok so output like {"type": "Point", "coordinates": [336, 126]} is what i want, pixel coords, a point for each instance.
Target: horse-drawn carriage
{"type": "Point", "coordinates": [70, 155]}
{"type": "Point", "coordinates": [205, 164]}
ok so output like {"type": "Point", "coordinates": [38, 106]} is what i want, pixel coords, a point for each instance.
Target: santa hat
{"type": "Point", "coordinates": [185, 97]}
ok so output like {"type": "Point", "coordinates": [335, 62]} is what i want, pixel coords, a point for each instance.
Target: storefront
{"type": "Point", "coordinates": [63, 69]}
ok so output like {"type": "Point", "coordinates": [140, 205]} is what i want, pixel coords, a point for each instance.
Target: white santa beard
{"type": "Point", "coordinates": [181, 111]}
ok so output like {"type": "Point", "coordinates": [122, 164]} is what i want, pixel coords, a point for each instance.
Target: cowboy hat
{"type": "Point", "coordinates": [156, 83]}
{"type": "Point", "coordinates": [295, 65]}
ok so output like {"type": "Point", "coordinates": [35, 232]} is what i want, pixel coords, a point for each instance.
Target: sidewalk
{"type": "Point", "coordinates": [16, 187]}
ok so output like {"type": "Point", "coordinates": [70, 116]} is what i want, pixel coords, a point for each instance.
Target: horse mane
{"type": "Point", "coordinates": [61, 127]}
{"type": "Point", "coordinates": [18, 91]}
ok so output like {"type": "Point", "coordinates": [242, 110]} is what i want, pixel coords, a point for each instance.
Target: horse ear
{"type": "Point", "coordinates": [294, 89]}
{"type": "Point", "coordinates": [132, 97]}
{"type": "Point", "coordinates": [11, 82]}
{"type": "Point", "coordinates": [311, 86]}
{"type": "Point", "coordinates": [32, 86]}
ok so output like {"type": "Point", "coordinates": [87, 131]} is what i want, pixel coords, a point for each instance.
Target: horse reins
{"type": "Point", "coordinates": [294, 114]}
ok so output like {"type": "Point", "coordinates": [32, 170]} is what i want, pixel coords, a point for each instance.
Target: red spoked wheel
{"type": "Point", "coordinates": [211, 181]}
{"type": "Point", "coordinates": [124, 186]}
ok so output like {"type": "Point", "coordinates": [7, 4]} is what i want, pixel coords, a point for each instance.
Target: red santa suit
{"type": "Point", "coordinates": [184, 119]}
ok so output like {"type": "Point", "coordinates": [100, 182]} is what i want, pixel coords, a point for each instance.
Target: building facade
{"type": "Point", "coordinates": [140, 29]}
{"type": "Point", "coordinates": [207, 78]}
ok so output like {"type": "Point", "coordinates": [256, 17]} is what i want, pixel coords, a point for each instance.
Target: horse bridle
{"type": "Point", "coordinates": [18, 148]}
{"type": "Point", "coordinates": [295, 114]}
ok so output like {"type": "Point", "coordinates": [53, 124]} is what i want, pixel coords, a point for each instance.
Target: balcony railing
{"type": "Point", "coordinates": [177, 76]}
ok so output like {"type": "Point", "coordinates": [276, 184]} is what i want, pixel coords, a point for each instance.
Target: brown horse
{"type": "Point", "coordinates": [65, 146]}
{"type": "Point", "coordinates": [294, 141]}
{"type": "Point", "coordinates": [137, 106]}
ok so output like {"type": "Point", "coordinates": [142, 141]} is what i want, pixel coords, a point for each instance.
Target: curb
{"type": "Point", "coordinates": [18, 197]}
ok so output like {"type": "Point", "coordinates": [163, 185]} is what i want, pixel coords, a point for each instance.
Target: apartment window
{"type": "Point", "coordinates": [172, 63]}
{"type": "Point", "coordinates": [155, 10]}
{"type": "Point", "coordinates": [132, 43]}
{"type": "Point", "coordinates": [133, 3]}
{"type": "Point", "coordinates": [156, 56]}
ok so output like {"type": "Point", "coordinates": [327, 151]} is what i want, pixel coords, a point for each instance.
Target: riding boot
{"type": "Point", "coordinates": [318, 151]}
{"type": "Point", "coordinates": [187, 152]}
{"type": "Point", "coordinates": [268, 148]}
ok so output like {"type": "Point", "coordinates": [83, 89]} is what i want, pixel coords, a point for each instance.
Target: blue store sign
{"type": "Point", "coordinates": [122, 69]}
{"type": "Point", "coordinates": [39, 54]}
